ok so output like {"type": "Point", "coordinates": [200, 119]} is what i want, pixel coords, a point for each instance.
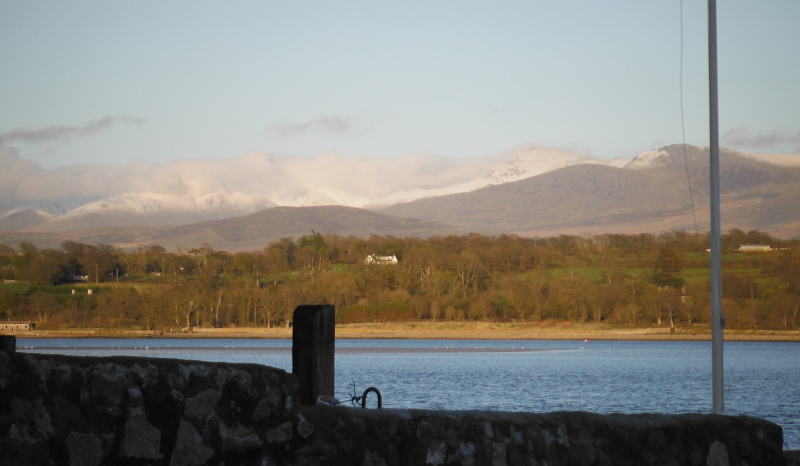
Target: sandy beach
{"type": "Point", "coordinates": [442, 330]}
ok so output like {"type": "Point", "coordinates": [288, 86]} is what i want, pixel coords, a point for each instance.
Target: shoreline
{"type": "Point", "coordinates": [441, 331]}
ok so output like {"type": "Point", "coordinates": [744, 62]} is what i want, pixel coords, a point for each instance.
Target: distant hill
{"type": "Point", "coordinates": [155, 209]}
{"type": "Point", "coordinates": [261, 228]}
{"type": "Point", "coordinates": [246, 232]}
{"type": "Point", "coordinates": [524, 163]}
{"type": "Point", "coordinates": [126, 236]}
{"type": "Point", "coordinates": [24, 217]}
{"type": "Point", "coordinates": [650, 194]}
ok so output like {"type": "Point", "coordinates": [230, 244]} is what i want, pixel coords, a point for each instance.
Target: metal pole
{"type": "Point", "coordinates": [717, 319]}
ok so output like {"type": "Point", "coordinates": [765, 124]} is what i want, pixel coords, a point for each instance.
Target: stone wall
{"type": "Point", "coordinates": [403, 437]}
{"type": "Point", "coordinates": [120, 410]}
{"type": "Point", "coordinates": [125, 410]}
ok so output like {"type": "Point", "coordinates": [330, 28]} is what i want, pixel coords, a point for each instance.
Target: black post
{"type": "Point", "coordinates": [313, 346]}
{"type": "Point", "coordinates": [8, 344]}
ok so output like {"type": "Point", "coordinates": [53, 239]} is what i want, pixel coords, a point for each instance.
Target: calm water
{"type": "Point", "coordinates": [761, 379]}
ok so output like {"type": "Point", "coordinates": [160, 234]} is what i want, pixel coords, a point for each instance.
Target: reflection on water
{"type": "Point", "coordinates": [598, 376]}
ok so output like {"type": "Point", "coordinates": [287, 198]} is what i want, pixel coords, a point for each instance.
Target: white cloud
{"type": "Point", "coordinates": [329, 124]}
{"type": "Point", "coordinates": [744, 137]}
{"type": "Point", "coordinates": [328, 178]}
{"type": "Point", "coordinates": [63, 133]}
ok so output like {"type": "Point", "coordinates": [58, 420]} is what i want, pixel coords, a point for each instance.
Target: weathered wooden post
{"type": "Point", "coordinates": [8, 344]}
{"type": "Point", "coordinates": [313, 346]}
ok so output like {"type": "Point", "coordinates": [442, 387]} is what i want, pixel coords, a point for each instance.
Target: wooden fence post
{"type": "Point", "coordinates": [313, 347]}
{"type": "Point", "coordinates": [8, 344]}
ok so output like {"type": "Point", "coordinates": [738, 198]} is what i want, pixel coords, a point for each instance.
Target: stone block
{"type": "Point", "coordinates": [84, 449]}
{"type": "Point", "coordinates": [109, 385]}
{"type": "Point", "coordinates": [238, 438]}
{"type": "Point", "coordinates": [304, 428]}
{"type": "Point", "coordinates": [189, 447]}
{"type": "Point", "coordinates": [262, 410]}
{"type": "Point", "coordinates": [141, 440]}
{"type": "Point", "coordinates": [200, 406]}
{"type": "Point", "coordinates": [717, 455]}
{"type": "Point", "coordinates": [280, 434]}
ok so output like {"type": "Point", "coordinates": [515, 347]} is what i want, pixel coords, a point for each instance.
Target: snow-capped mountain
{"type": "Point", "coordinates": [185, 193]}
{"type": "Point", "coordinates": [669, 154]}
{"type": "Point", "coordinates": [650, 194]}
{"type": "Point", "coordinates": [651, 158]}
{"type": "Point", "coordinates": [157, 209]}
{"type": "Point", "coordinates": [26, 216]}
{"type": "Point", "coordinates": [525, 164]}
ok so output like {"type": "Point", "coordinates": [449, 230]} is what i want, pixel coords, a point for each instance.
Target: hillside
{"type": "Point", "coordinates": [259, 229]}
{"type": "Point", "coordinates": [22, 218]}
{"type": "Point", "coordinates": [650, 194]}
{"type": "Point", "coordinates": [126, 236]}
{"type": "Point", "coordinates": [155, 209]}
{"type": "Point", "coordinates": [520, 165]}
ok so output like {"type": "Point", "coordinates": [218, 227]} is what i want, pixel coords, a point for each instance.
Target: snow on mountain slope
{"type": "Point", "coordinates": [43, 211]}
{"type": "Point", "coordinates": [618, 162]}
{"type": "Point", "coordinates": [669, 154]}
{"type": "Point", "coordinates": [329, 178]}
{"type": "Point", "coordinates": [157, 209]}
{"type": "Point", "coordinates": [313, 197]}
{"type": "Point", "coordinates": [651, 158]}
{"type": "Point", "coordinates": [26, 216]}
{"type": "Point", "coordinates": [528, 163]}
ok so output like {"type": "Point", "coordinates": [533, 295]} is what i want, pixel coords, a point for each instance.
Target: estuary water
{"type": "Point", "coordinates": [762, 379]}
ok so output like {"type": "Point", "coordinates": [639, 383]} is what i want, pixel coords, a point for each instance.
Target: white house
{"type": "Point", "coordinates": [11, 326]}
{"type": "Point", "coordinates": [754, 248]}
{"type": "Point", "coordinates": [374, 259]}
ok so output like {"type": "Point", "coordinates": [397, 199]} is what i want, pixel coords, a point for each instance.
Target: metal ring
{"type": "Point", "coordinates": [364, 397]}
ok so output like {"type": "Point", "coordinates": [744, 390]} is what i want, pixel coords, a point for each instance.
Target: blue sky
{"type": "Point", "coordinates": [117, 82]}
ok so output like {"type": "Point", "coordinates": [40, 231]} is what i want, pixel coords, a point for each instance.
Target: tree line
{"type": "Point", "coordinates": [623, 280]}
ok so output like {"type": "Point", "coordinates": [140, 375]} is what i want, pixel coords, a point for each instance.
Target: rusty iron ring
{"type": "Point", "coordinates": [364, 397]}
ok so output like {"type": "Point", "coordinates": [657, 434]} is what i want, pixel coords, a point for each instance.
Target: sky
{"type": "Point", "coordinates": [149, 82]}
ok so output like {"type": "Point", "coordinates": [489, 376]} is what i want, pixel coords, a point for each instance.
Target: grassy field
{"type": "Point", "coordinates": [15, 287]}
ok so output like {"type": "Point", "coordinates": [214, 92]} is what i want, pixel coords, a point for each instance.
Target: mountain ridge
{"type": "Point", "coordinates": [648, 195]}
{"type": "Point", "coordinates": [155, 209]}
{"type": "Point", "coordinates": [533, 192]}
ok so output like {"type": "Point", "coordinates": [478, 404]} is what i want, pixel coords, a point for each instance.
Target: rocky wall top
{"type": "Point", "coordinates": [124, 410]}
{"type": "Point", "coordinates": [470, 438]}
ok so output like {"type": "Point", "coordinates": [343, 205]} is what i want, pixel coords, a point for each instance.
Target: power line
{"type": "Point", "coordinates": [683, 135]}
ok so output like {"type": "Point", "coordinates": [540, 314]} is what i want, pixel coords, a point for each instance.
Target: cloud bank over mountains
{"type": "Point", "coordinates": [77, 197]}
{"type": "Point", "coordinates": [328, 178]}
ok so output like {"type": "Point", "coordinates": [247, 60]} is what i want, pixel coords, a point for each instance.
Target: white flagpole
{"type": "Point", "coordinates": [717, 319]}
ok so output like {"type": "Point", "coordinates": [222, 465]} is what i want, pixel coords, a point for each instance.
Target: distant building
{"type": "Point", "coordinates": [79, 278]}
{"type": "Point", "coordinates": [754, 248]}
{"type": "Point", "coordinates": [374, 259]}
{"type": "Point", "coordinates": [11, 326]}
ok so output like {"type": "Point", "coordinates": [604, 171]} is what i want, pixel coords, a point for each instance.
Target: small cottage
{"type": "Point", "coordinates": [11, 326]}
{"type": "Point", "coordinates": [754, 248]}
{"type": "Point", "coordinates": [374, 259]}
